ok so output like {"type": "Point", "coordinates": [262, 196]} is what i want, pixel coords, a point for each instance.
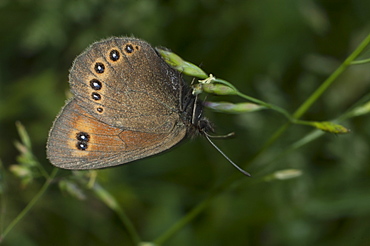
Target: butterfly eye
{"type": "Point", "coordinates": [114, 55]}
{"type": "Point", "coordinates": [95, 84]}
{"type": "Point", "coordinates": [129, 49]}
{"type": "Point", "coordinates": [99, 67]}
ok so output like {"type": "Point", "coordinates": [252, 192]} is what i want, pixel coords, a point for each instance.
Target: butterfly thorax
{"type": "Point", "coordinates": [192, 114]}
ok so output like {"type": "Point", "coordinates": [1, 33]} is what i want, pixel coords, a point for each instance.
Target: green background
{"type": "Point", "coordinates": [277, 51]}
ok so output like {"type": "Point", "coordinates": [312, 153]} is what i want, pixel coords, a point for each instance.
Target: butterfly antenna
{"type": "Point", "coordinates": [222, 136]}
{"type": "Point", "coordinates": [227, 158]}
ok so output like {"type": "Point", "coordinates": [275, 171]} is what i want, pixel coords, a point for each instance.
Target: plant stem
{"type": "Point", "coordinates": [182, 222]}
{"type": "Point", "coordinates": [196, 210]}
{"type": "Point", "coordinates": [360, 62]}
{"type": "Point", "coordinates": [23, 213]}
{"type": "Point", "coordinates": [316, 94]}
{"type": "Point", "coordinates": [2, 195]}
{"type": "Point", "coordinates": [329, 81]}
{"type": "Point", "coordinates": [255, 100]}
{"type": "Point", "coordinates": [112, 203]}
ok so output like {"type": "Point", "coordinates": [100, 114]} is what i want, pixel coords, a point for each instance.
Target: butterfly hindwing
{"type": "Point", "coordinates": [78, 140]}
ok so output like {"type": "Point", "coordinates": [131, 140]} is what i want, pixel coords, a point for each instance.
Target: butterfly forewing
{"type": "Point", "coordinates": [124, 83]}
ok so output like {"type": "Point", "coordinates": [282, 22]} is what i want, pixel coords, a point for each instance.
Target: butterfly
{"type": "Point", "coordinates": [127, 104]}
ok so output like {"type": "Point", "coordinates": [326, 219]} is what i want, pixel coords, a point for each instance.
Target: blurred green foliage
{"type": "Point", "coordinates": [278, 51]}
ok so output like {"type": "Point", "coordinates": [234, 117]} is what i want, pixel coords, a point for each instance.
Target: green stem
{"type": "Point", "coordinates": [195, 211]}
{"type": "Point", "coordinates": [42, 170]}
{"type": "Point", "coordinates": [2, 195]}
{"type": "Point", "coordinates": [112, 203]}
{"type": "Point", "coordinates": [360, 62]}
{"type": "Point", "coordinates": [38, 165]}
{"type": "Point", "coordinates": [329, 81]}
{"type": "Point", "coordinates": [308, 103]}
{"type": "Point", "coordinates": [255, 100]}
{"type": "Point", "coordinates": [182, 222]}
{"type": "Point", "coordinates": [23, 213]}
{"type": "Point", "coordinates": [224, 186]}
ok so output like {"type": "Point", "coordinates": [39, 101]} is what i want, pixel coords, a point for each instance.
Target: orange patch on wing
{"type": "Point", "coordinates": [103, 138]}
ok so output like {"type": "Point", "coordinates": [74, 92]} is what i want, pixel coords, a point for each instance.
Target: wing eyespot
{"type": "Point", "coordinates": [96, 96]}
{"type": "Point", "coordinates": [99, 67]}
{"type": "Point", "coordinates": [114, 55]}
{"type": "Point", "coordinates": [95, 84]}
{"type": "Point", "coordinates": [82, 139]}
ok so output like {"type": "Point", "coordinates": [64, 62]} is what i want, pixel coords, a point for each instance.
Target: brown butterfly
{"type": "Point", "coordinates": [127, 104]}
